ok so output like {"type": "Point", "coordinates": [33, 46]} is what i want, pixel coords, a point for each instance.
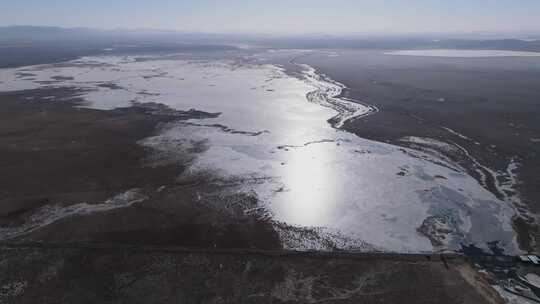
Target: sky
{"type": "Point", "coordinates": [280, 16]}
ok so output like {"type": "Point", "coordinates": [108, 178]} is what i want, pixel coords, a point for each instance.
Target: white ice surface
{"type": "Point", "coordinates": [463, 53]}
{"type": "Point", "coordinates": [533, 279]}
{"type": "Point", "coordinates": [317, 175]}
{"type": "Point", "coordinates": [51, 213]}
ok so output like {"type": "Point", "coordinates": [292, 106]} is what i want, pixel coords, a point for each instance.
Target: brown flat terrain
{"type": "Point", "coordinates": [103, 274]}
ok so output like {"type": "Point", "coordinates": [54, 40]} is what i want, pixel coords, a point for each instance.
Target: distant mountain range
{"type": "Point", "coordinates": [92, 39]}
{"type": "Point", "coordinates": [50, 33]}
{"type": "Point", "coordinates": [27, 45]}
{"type": "Point", "coordinates": [37, 34]}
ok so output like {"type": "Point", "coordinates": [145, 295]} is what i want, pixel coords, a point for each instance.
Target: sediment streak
{"type": "Point", "coordinates": [328, 93]}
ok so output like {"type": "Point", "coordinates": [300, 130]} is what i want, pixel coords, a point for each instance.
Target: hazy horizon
{"type": "Point", "coordinates": [449, 34]}
{"type": "Point", "coordinates": [342, 17]}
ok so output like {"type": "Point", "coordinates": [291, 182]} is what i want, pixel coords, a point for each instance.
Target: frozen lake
{"type": "Point", "coordinates": [281, 134]}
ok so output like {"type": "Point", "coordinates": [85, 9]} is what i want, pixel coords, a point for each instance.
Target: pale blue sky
{"type": "Point", "coordinates": [280, 16]}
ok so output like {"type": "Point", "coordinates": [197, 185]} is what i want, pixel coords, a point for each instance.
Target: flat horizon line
{"type": "Point", "coordinates": [510, 34]}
